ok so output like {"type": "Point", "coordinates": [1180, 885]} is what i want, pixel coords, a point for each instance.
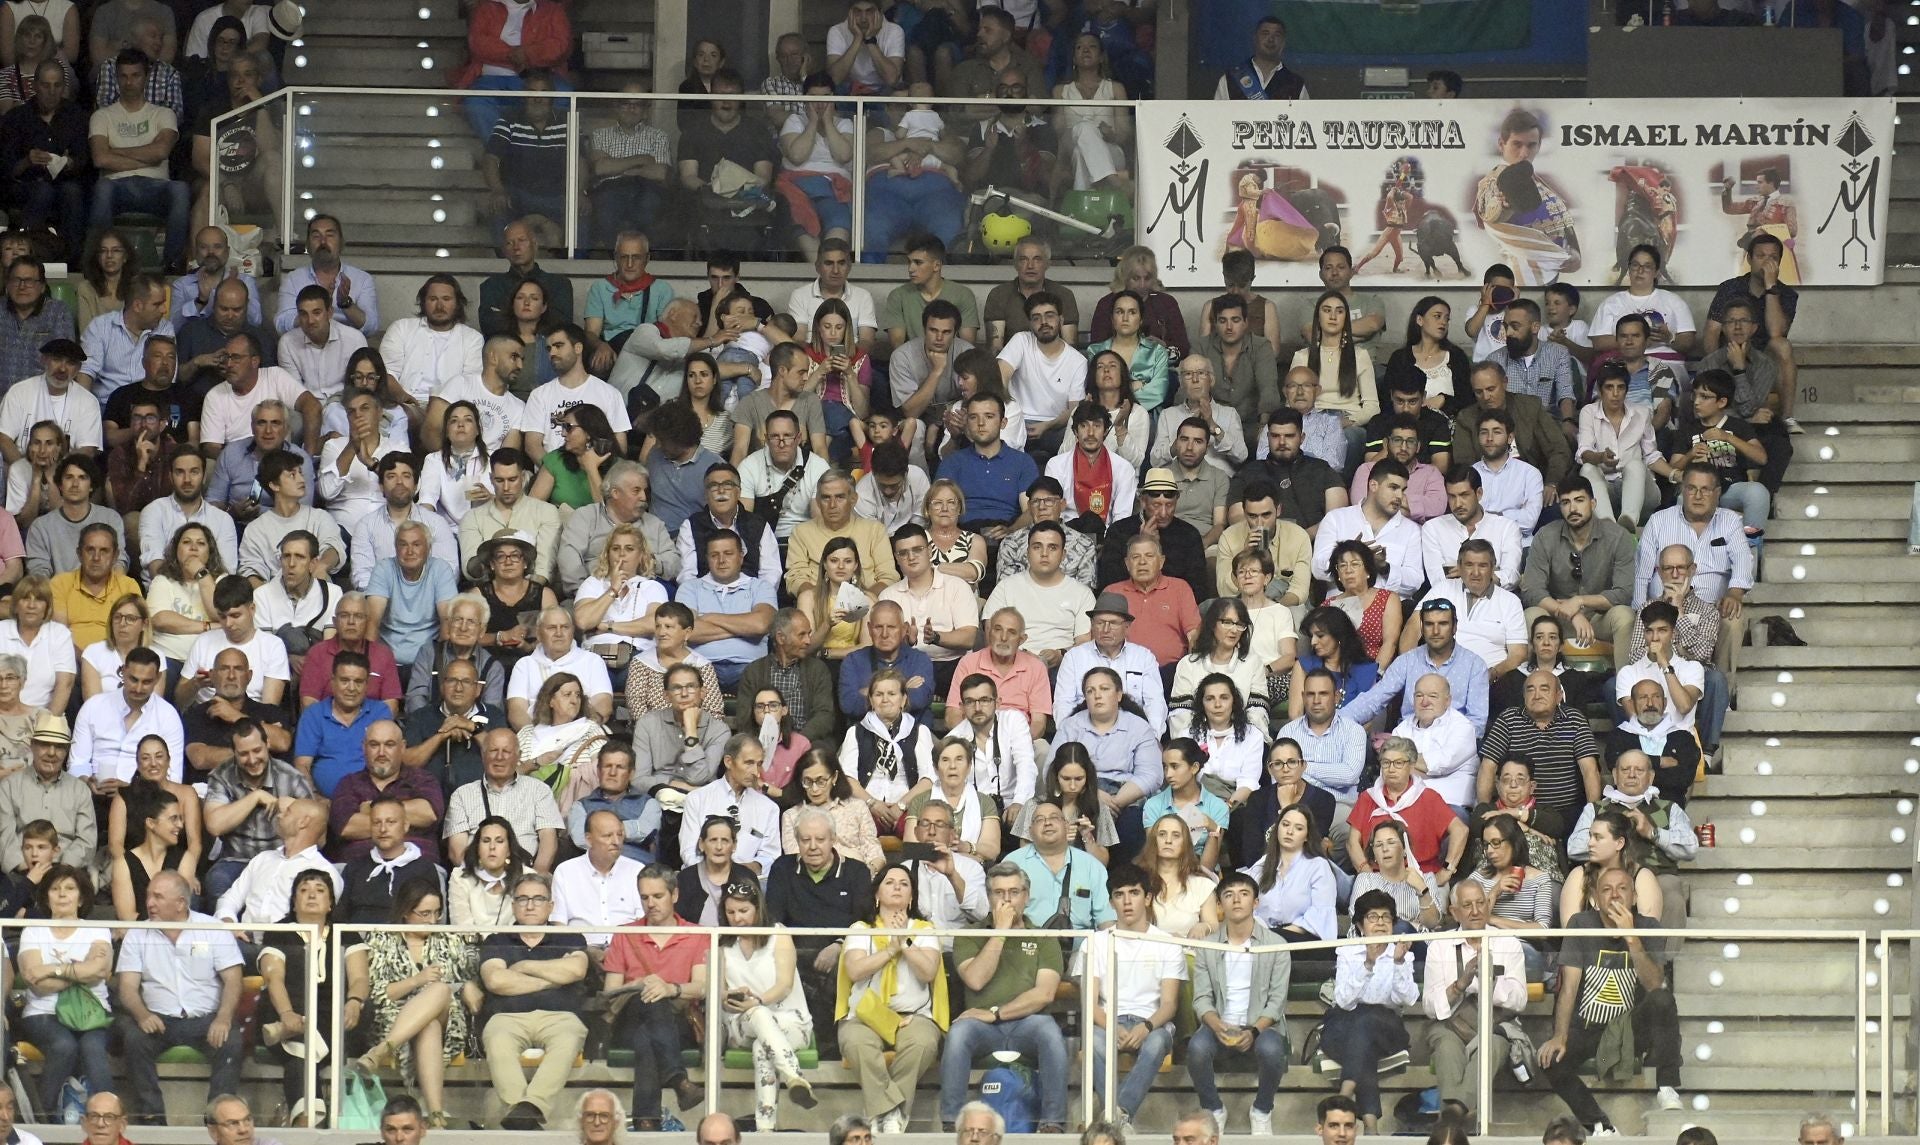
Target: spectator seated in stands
{"type": "Point", "coordinates": [914, 193]}
{"type": "Point", "coordinates": [1510, 487]}
{"type": "Point", "coordinates": [1712, 438]}
{"type": "Point", "coordinates": [670, 971]}
{"type": "Point", "coordinates": [888, 753]}
{"type": "Point", "coordinates": [385, 776]}
{"type": "Point", "coordinates": [283, 475]}
{"type": "Point", "coordinates": [51, 963]}
{"type": "Point", "coordinates": [159, 520]}
{"type": "Point", "coordinates": [1715, 569]}
{"type": "Point", "coordinates": [375, 879]}
{"type": "Point", "coordinates": [522, 250]}
{"type": "Point", "coordinates": [1373, 616]}
{"type": "Point", "coordinates": [1491, 622]}
{"type": "Point", "coordinates": [1236, 1022]}
{"type": "Point", "coordinates": [1124, 751]}
{"type": "Point", "coordinates": [1447, 749]}
{"type": "Point", "coordinates": [115, 343]}
{"type": "Point", "coordinates": [465, 628]}
{"type": "Point", "coordinates": [522, 800]}
{"type": "Point", "coordinates": [1532, 434]}
{"type": "Point", "coordinates": [737, 787]}
{"type": "Point", "coordinates": [726, 170]}
{"type": "Point", "coordinates": [1616, 450]}
{"type": "Point", "coordinates": [1307, 488]}
{"type": "Point", "coordinates": [533, 999]}
{"type": "Point", "coordinates": [1612, 976]}
{"type": "Point", "coordinates": [264, 887]}
{"type": "Point", "coordinates": [1329, 435]}
{"type": "Point", "coordinates": [1661, 831]}
{"type": "Point", "coordinates": [112, 725]}
{"type": "Point", "coordinates": [1009, 985]}
{"type": "Point", "coordinates": [444, 737]}
{"type": "Point", "coordinates": [523, 165]}
{"type": "Point", "coordinates": [352, 625]}
{"type": "Point", "coordinates": [733, 610]}
{"type": "Point", "coordinates": [1146, 988]}
{"type": "Point", "coordinates": [130, 139]}
{"type": "Point", "coordinates": [317, 352]}
{"type": "Point", "coordinates": [545, 426]}
{"type": "Point", "coordinates": [1672, 334]}
{"type": "Point", "coordinates": [1770, 315]}
{"type": "Point", "coordinates": [1263, 75]}
{"type": "Point", "coordinates": [1426, 379]}
{"type": "Point", "coordinates": [1097, 138]}
{"type": "Point", "coordinates": [679, 742]}
{"type": "Point", "coordinates": [1650, 727]}
{"type": "Point", "coordinates": [1756, 388]}
{"type": "Point", "coordinates": [1438, 652]}
{"type": "Point", "coordinates": [435, 347]}
{"type": "Point", "coordinates": [1053, 609]}
{"type": "Point", "coordinates": [557, 653]}
{"type": "Point", "coordinates": [866, 52]}
{"type": "Point", "coordinates": [408, 598]}
{"type": "Point", "coordinates": [1556, 740]}
{"type": "Point", "coordinates": [1365, 1029]}
{"type": "Point", "coordinates": [248, 146]}
{"type": "Point", "coordinates": [1654, 385]}
{"type": "Point", "coordinates": [816, 158]}
{"type": "Point", "coordinates": [328, 743]}
{"type": "Point", "coordinates": [639, 814]}
{"type": "Point", "coordinates": [354, 300]}
{"type": "Point", "coordinates": [1449, 994]}
{"type": "Point", "coordinates": [1682, 680]}
{"type": "Point", "coordinates": [600, 886]}
{"type": "Point", "coordinates": [193, 292]}
{"type": "Point", "coordinates": [53, 541]}
{"type": "Point", "coordinates": [169, 998]}
{"type": "Point", "coordinates": [246, 795]}
{"type": "Point", "coordinates": [33, 136]}
{"type": "Point", "coordinates": [817, 885]}
{"type": "Point", "coordinates": [505, 40]}
{"type": "Point", "coordinates": [1379, 523]}
{"type": "Point", "coordinates": [374, 542]}
{"type": "Point", "coordinates": [1401, 441]}
{"type": "Point", "coordinates": [1181, 555]}
{"type": "Point", "coordinates": [1542, 370]}
{"type": "Point", "coordinates": [1435, 838]}
{"type": "Point", "coordinates": [84, 595]}
{"type": "Point", "coordinates": [630, 165]}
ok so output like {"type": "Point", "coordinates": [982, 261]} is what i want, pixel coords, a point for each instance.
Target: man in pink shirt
{"type": "Point", "coordinates": [1165, 615]}
{"type": "Point", "coordinates": [1019, 677]}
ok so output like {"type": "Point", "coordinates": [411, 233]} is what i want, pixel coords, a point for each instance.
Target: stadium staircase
{"type": "Point", "coordinates": [1813, 815]}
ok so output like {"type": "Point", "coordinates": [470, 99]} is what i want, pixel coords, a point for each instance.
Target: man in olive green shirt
{"type": "Point", "coordinates": [1010, 982]}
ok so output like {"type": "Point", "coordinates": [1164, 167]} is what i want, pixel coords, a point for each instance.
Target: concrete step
{"type": "Point", "coordinates": [1788, 723]}
{"type": "Point", "coordinates": [1848, 502]}
{"type": "Point", "coordinates": [419, 208]}
{"type": "Point", "coordinates": [394, 65]}
{"type": "Point", "coordinates": [1817, 969]}
{"type": "Point", "coordinates": [1816, 530]}
{"type": "Point", "coordinates": [1822, 755]}
{"type": "Point", "coordinates": [1781, 549]}
{"type": "Point", "coordinates": [1846, 657]}
{"type": "Point", "coordinates": [1821, 355]}
{"type": "Point", "coordinates": [1755, 1045]}
{"type": "Point", "coordinates": [1873, 470]}
{"type": "Point", "coordinates": [1853, 413]}
{"type": "Point", "coordinates": [1812, 698]}
{"type": "Point", "coordinates": [400, 21]}
{"type": "Point", "coordinates": [1714, 902]}
{"type": "Point", "coordinates": [1814, 456]}
{"type": "Point", "coordinates": [1778, 592]}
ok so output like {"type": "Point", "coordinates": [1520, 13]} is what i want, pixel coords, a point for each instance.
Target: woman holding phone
{"type": "Point", "coordinates": [848, 380]}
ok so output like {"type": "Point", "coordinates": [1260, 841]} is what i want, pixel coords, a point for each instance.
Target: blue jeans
{"type": "Point", "coordinates": [1270, 1057]}
{"type": "Point", "coordinates": [834, 214]}
{"type": "Point", "coordinates": [1036, 1036]}
{"type": "Point", "coordinates": [1710, 714]}
{"type": "Point", "coordinates": [728, 672]}
{"type": "Point", "coordinates": [1751, 500]}
{"type": "Point", "coordinates": [137, 193]}
{"type": "Point", "coordinates": [63, 1050]}
{"type": "Point", "coordinates": [1146, 1064]}
{"type": "Point", "coordinates": [143, 1051]}
{"type": "Point", "coordinates": [220, 876]}
{"type": "Point", "coordinates": [1358, 1039]}
{"type": "Point", "coordinates": [898, 205]}
{"type": "Point", "coordinates": [623, 205]}
{"type": "Point", "coordinates": [50, 202]}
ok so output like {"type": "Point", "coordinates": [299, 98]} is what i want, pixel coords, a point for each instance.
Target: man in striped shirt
{"type": "Point", "coordinates": [525, 164]}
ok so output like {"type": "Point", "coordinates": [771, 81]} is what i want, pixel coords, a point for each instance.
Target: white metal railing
{"type": "Point", "coordinates": [292, 109]}
{"type": "Point", "coordinates": [714, 1047]}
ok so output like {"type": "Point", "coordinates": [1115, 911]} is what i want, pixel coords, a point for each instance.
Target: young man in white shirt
{"type": "Point", "coordinates": [1683, 680]}
{"type": "Point", "coordinates": [571, 386]}
{"type": "Point", "coordinates": [1146, 987]}
{"type": "Point", "coordinates": [233, 600]}
{"type": "Point", "coordinates": [436, 346]}
{"type": "Point", "coordinates": [833, 263]}
{"type": "Point", "coordinates": [501, 414]}
{"type": "Point", "coordinates": [1044, 373]}
{"type": "Point", "coordinates": [1378, 523]}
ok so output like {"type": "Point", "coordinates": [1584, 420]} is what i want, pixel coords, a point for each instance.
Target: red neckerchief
{"type": "Point", "coordinates": [1092, 478]}
{"type": "Point", "coordinates": [623, 290]}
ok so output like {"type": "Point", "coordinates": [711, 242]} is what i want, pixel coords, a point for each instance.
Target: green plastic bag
{"type": "Point", "coordinates": [361, 1102]}
{"type": "Point", "coordinates": [79, 1009]}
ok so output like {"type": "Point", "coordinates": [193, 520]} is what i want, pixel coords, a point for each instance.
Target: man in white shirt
{"type": "Point", "coordinates": [893, 490]}
{"type": "Point", "coordinates": [1055, 607]}
{"type": "Point", "coordinates": [833, 263]}
{"type": "Point", "coordinates": [1491, 621]}
{"type": "Point", "coordinates": [1139, 670]}
{"type": "Point", "coordinates": [1450, 995]}
{"type": "Point", "coordinates": [1449, 749]}
{"type": "Point", "coordinates": [317, 348]}
{"type": "Point", "coordinates": [160, 520]}
{"type": "Point", "coordinates": [262, 891]}
{"type": "Point", "coordinates": [372, 535]}
{"type": "Point", "coordinates": [1043, 373]}
{"type": "Point", "coordinates": [1378, 523]}
{"type": "Point", "coordinates": [501, 414]}
{"type": "Point", "coordinates": [177, 988]}
{"type": "Point", "coordinates": [110, 726]}
{"type": "Point", "coordinates": [296, 597]}
{"type": "Point", "coordinates": [227, 414]}
{"type": "Point", "coordinates": [1511, 488]}
{"type": "Point", "coordinates": [1683, 680]}
{"type": "Point", "coordinates": [735, 794]}
{"type": "Point", "coordinates": [233, 600]}
{"type": "Point", "coordinates": [571, 386]}
{"type": "Point", "coordinates": [952, 885]}
{"type": "Point", "coordinates": [1146, 987]}
{"type": "Point", "coordinates": [941, 614]}
{"type": "Point", "coordinates": [1111, 499]}
{"type": "Point", "coordinates": [51, 396]}
{"type": "Point", "coordinates": [558, 653]}
{"type": "Point", "coordinates": [781, 469]}
{"type": "Point", "coordinates": [433, 348]}
{"type": "Point", "coordinates": [601, 887]}
{"type": "Point", "coordinates": [867, 52]}
{"type": "Point", "coordinates": [1467, 518]}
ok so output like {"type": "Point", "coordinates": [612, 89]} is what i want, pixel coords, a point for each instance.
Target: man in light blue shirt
{"type": "Point", "coordinates": [733, 611]}
{"type": "Point", "coordinates": [116, 343]}
{"type": "Point", "coordinates": [1334, 746]}
{"type": "Point", "coordinates": [356, 302]}
{"type": "Point", "coordinates": [193, 291]}
{"type": "Point", "coordinates": [1722, 554]}
{"type": "Point", "coordinates": [1437, 653]}
{"type": "Point", "coordinates": [410, 593]}
{"type": "Point", "coordinates": [1066, 880]}
{"type": "Point", "coordinates": [1139, 670]}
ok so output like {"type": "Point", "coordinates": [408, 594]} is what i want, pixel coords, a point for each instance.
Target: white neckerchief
{"type": "Point", "coordinates": [1612, 794]}
{"type": "Point", "coordinates": [1653, 740]}
{"type": "Point", "coordinates": [891, 752]}
{"type": "Point", "coordinates": [381, 866]}
{"type": "Point", "coordinates": [487, 880]}
{"type": "Point", "coordinates": [1393, 808]}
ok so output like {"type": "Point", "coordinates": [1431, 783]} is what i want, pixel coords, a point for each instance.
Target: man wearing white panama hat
{"type": "Point", "coordinates": [44, 790]}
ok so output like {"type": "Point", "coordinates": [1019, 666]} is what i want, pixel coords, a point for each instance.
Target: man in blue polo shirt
{"type": "Point", "coordinates": [410, 594]}
{"type": "Point", "coordinates": [328, 745]}
{"type": "Point", "coordinates": [993, 478]}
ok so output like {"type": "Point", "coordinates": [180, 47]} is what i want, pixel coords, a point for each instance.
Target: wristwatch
{"type": "Point", "coordinates": [995, 1011]}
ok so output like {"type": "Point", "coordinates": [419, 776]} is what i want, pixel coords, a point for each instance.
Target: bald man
{"type": "Point", "coordinates": [265, 887]}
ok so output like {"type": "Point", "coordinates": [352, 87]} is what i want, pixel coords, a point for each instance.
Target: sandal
{"type": "Point", "coordinates": [439, 1119]}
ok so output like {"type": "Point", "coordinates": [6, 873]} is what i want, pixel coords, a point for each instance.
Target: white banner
{"type": "Point", "coordinates": [1557, 189]}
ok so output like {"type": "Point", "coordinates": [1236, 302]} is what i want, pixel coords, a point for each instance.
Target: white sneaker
{"type": "Point", "coordinates": [1793, 427]}
{"type": "Point", "coordinates": [891, 1122]}
{"type": "Point", "coordinates": [1668, 1097]}
{"type": "Point", "coordinates": [1602, 1131]}
{"type": "Point", "coordinates": [1219, 1121]}
{"type": "Point", "coordinates": [1262, 1122]}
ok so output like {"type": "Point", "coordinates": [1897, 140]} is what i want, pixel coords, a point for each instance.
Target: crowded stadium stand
{"type": "Point", "coordinates": [920, 570]}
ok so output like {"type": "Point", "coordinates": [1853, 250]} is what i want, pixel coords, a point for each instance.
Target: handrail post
{"type": "Point", "coordinates": [1884, 960]}
{"type": "Point", "coordinates": [573, 174]}
{"type": "Point", "coordinates": [859, 179]}
{"type": "Point", "coordinates": [317, 949]}
{"type": "Point", "coordinates": [1860, 1031]}
{"type": "Point", "coordinates": [1484, 1113]}
{"type": "Point", "coordinates": [287, 199]}
{"type": "Point", "coordinates": [336, 1089]}
{"type": "Point", "coordinates": [711, 1053]}
{"type": "Point", "coordinates": [1110, 1005]}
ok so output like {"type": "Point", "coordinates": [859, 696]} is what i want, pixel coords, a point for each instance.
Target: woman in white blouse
{"type": "Point", "coordinates": [893, 999]}
{"type": "Point", "coordinates": [615, 605]}
{"type": "Point", "coordinates": [53, 957]}
{"type": "Point", "coordinates": [127, 628]}
{"type": "Point", "coordinates": [976, 816]}
{"type": "Point", "coordinates": [1616, 450]}
{"type": "Point", "coordinates": [1371, 985]}
{"type": "Point", "coordinates": [181, 595]}
{"type": "Point", "coordinates": [46, 643]}
{"type": "Point", "coordinates": [1344, 369]}
{"type": "Point", "coordinates": [478, 894]}
{"type": "Point", "coordinates": [456, 477]}
{"type": "Point", "coordinates": [347, 478]}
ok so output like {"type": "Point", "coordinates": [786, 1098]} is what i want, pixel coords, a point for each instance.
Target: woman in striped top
{"type": "Point", "coordinates": [1523, 896]}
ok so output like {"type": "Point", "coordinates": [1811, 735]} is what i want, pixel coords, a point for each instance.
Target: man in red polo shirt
{"type": "Point", "coordinates": [671, 973]}
{"type": "Point", "coordinates": [1019, 677]}
{"type": "Point", "coordinates": [1165, 615]}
